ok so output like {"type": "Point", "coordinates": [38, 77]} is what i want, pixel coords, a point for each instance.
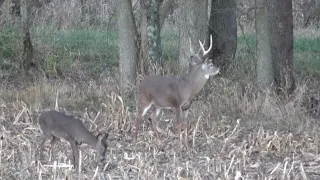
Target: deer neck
{"type": "Point", "coordinates": [196, 79]}
{"type": "Point", "coordinates": [88, 138]}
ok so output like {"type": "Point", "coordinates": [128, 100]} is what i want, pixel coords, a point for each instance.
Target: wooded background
{"type": "Point", "coordinates": [139, 24]}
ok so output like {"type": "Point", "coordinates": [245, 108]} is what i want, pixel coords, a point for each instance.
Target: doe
{"type": "Point", "coordinates": [175, 92]}
{"type": "Point", "coordinates": [57, 125]}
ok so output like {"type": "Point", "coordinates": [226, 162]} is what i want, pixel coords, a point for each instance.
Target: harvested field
{"type": "Point", "coordinates": [231, 135]}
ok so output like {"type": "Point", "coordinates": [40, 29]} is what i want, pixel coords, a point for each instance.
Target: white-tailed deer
{"type": "Point", "coordinates": [57, 125]}
{"type": "Point", "coordinates": [175, 92]}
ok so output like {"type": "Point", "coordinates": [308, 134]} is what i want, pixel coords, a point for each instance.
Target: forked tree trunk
{"type": "Point", "coordinates": [167, 8]}
{"type": "Point", "coordinates": [16, 8]}
{"type": "Point", "coordinates": [223, 27]}
{"type": "Point", "coordinates": [193, 20]}
{"type": "Point", "coordinates": [83, 14]}
{"type": "Point", "coordinates": [264, 61]}
{"type": "Point", "coordinates": [127, 43]}
{"type": "Point", "coordinates": [311, 11]}
{"type": "Point", "coordinates": [1, 2]}
{"type": "Point", "coordinates": [153, 33]}
{"type": "Point", "coordinates": [281, 22]}
{"type": "Point", "coordinates": [143, 55]}
{"type": "Point", "coordinates": [27, 55]}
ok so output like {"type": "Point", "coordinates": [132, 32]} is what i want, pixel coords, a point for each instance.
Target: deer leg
{"type": "Point", "coordinates": [141, 112]}
{"type": "Point", "coordinates": [75, 154]}
{"type": "Point", "coordinates": [41, 148]}
{"type": "Point", "coordinates": [153, 117]}
{"type": "Point", "coordinates": [185, 124]}
{"type": "Point", "coordinates": [185, 111]}
{"type": "Point", "coordinates": [52, 143]}
{"type": "Point", "coordinates": [185, 120]}
{"type": "Point", "coordinates": [178, 117]}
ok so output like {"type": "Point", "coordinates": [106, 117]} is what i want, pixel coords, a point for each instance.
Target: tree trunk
{"type": "Point", "coordinates": [15, 8]}
{"type": "Point", "coordinates": [263, 47]}
{"type": "Point", "coordinates": [311, 11]}
{"type": "Point", "coordinates": [1, 2]}
{"type": "Point", "coordinates": [167, 8]}
{"type": "Point", "coordinates": [127, 43]}
{"type": "Point", "coordinates": [83, 14]}
{"type": "Point", "coordinates": [281, 22]}
{"type": "Point", "coordinates": [143, 56]}
{"type": "Point", "coordinates": [153, 33]}
{"type": "Point", "coordinates": [223, 27]}
{"type": "Point", "coordinates": [193, 20]}
{"type": "Point", "coordinates": [27, 55]}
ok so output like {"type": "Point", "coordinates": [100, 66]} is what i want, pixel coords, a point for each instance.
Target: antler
{"type": "Point", "coordinates": [205, 52]}
{"type": "Point", "coordinates": [191, 50]}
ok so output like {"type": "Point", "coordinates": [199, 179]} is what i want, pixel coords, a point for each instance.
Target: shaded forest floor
{"type": "Point", "coordinates": [234, 130]}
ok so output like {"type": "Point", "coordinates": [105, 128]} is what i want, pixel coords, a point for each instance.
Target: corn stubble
{"type": "Point", "coordinates": [232, 135]}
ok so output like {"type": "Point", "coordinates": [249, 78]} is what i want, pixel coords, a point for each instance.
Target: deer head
{"type": "Point", "coordinates": [198, 58]}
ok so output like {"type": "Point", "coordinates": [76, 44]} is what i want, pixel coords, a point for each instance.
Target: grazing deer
{"type": "Point", "coordinates": [57, 125]}
{"type": "Point", "coordinates": [175, 92]}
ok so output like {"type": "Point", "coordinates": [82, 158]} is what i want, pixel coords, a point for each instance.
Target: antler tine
{"type": "Point", "coordinates": [204, 42]}
{"type": "Point", "coordinates": [205, 52]}
{"type": "Point", "coordinates": [191, 50]}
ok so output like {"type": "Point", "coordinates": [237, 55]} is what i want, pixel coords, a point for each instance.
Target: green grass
{"type": "Point", "coordinates": [93, 46]}
{"type": "Point", "coordinates": [97, 48]}
{"type": "Point", "coordinates": [307, 56]}
{"type": "Point", "coordinates": [311, 45]}
{"type": "Point", "coordinates": [247, 38]}
{"type": "Point", "coordinates": [170, 45]}
{"type": "Point", "coordinates": [306, 53]}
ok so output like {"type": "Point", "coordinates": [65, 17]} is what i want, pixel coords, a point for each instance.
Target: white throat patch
{"type": "Point", "coordinates": [207, 76]}
{"type": "Point", "coordinates": [203, 66]}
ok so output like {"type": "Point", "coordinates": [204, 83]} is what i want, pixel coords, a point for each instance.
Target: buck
{"type": "Point", "coordinates": [175, 92]}
{"type": "Point", "coordinates": [57, 125]}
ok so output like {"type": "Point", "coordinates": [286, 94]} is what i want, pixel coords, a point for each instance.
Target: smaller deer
{"type": "Point", "coordinates": [57, 125]}
{"type": "Point", "coordinates": [175, 92]}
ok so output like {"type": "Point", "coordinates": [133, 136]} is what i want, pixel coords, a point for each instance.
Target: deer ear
{"type": "Point", "coordinates": [207, 60]}
{"type": "Point", "coordinates": [102, 136]}
{"type": "Point", "coordinates": [194, 60]}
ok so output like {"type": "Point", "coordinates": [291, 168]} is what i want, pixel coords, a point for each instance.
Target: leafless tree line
{"type": "Point", "coordinates": [139, 24]}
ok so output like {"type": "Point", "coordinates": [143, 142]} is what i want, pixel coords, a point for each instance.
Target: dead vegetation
{"type": "Point", "coordinates": [233, 134]}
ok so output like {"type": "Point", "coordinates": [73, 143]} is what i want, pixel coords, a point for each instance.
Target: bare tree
{"type": "Point", "coordinates": [153, 32]}
{"type": "Point", "coordinates": [27, 55]}
{"type": "Point", "coordinates": [311, 11]}
{"type": "Point", "coordinates": [193, 19]}
{"type": "Point", "coordinates": [281, 29]}
{"type": "Point", "coordinates": [166, 7]}
{"type": "Point", "coordinates": [1, 2]}
{"type": "Point", "coordinates": [82, 4]}
{"type": "Point", "coordinates": [127, 43]}
{"type": "Point", "coordinates": [15, 8]}
{"type": "Point", "coordinates": [223, 27]}
{"type": "Point", "coordinates": [263, 46]}
{"type": "Point", "coordinates": [143, 54]}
